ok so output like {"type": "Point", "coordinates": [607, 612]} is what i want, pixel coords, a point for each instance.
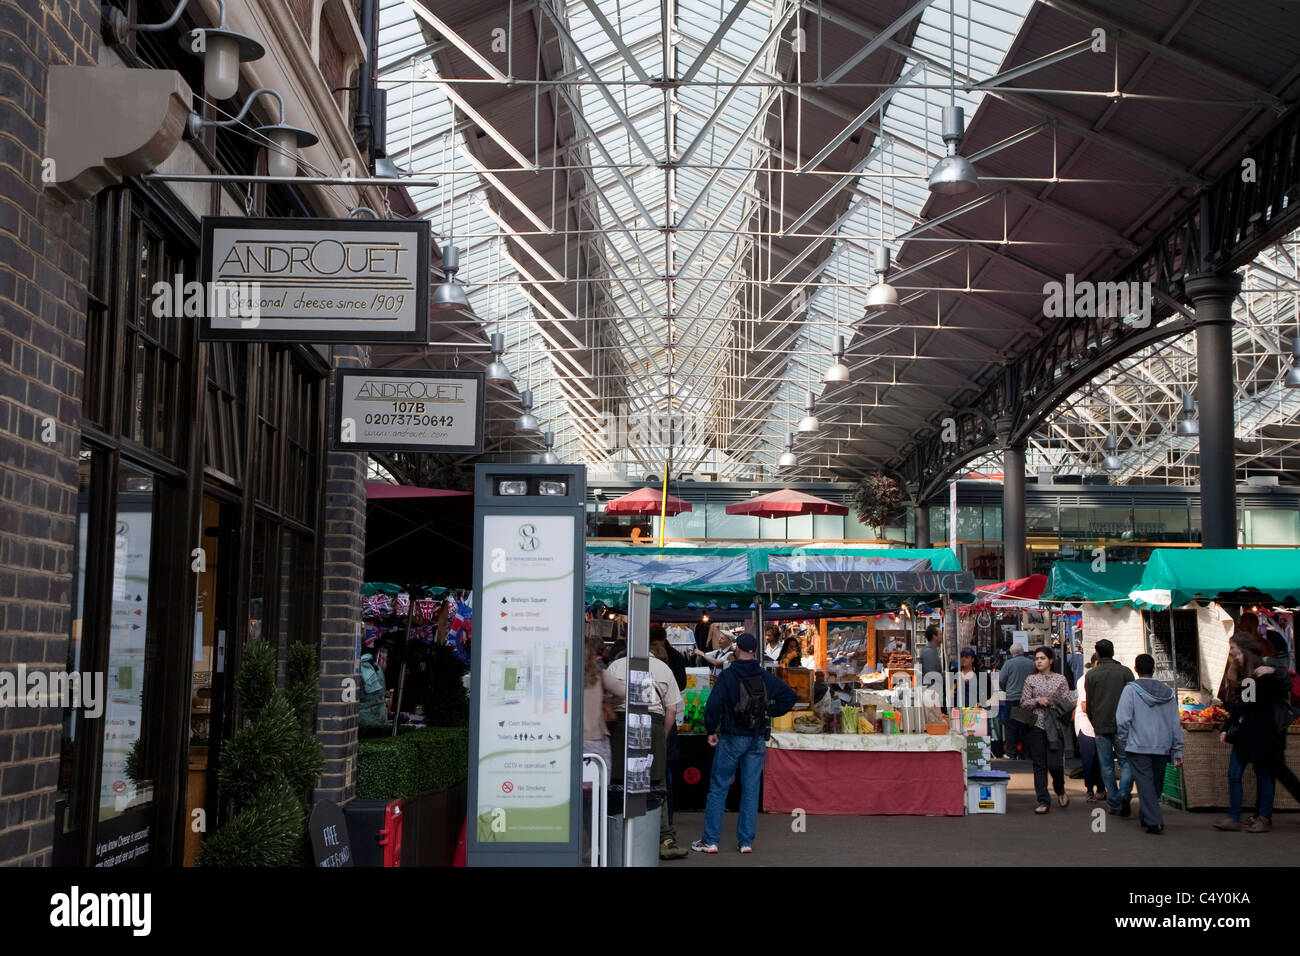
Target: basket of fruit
{"type": "Point", "coordinates": [807, 724]}
{"type": "Point", "coordinates": [1204, 720]}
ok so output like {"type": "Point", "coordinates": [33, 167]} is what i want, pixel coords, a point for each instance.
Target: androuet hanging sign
{"type": "Point", "coordinates": [408, 410]}
{"type": "Point", "coordinates": [316, 280]}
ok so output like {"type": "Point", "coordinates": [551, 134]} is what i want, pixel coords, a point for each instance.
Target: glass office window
{"type": "Point", "coordinates": [829, 527]}
{"type": "Point", "coordinates": [722, 525]}
{"type": "Point", "coordinates": [992, 523]}
{"type": "Point", "coordinates": [1266, 526]}
{"type": "Point", "coordinates": [970, 523]}
{"type": "Point", "coordinates": [1160, 524]}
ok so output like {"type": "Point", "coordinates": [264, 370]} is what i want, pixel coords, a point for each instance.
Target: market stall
{"type": "Point", "coordinates": [911, 772]}
{"type": "Point", "coordinates": [891, 774]}
{"type": "Point", "coordinates": [1265, 581]}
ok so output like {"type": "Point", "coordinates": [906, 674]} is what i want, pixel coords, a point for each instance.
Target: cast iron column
{"type": "Point", "coordinates": [922, 518]}
{"type": "Point", "coordinates": [1212, 296]}
{"type": "Point", "coordinates": [1013, 511]}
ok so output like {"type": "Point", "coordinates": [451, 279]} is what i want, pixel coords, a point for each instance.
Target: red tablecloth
{"type": "Point", "coordinates": [864, 782]}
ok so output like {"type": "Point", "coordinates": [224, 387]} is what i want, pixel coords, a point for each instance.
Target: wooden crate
{"type": "Point", "coordinates": [1205, 773]}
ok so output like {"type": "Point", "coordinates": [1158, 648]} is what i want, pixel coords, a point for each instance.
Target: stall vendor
{"type": "Point", "coordinates": [723, 652]}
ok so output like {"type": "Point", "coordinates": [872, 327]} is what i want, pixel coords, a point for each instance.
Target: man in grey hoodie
{"type": "Point", "coordinates": [1148, 728]}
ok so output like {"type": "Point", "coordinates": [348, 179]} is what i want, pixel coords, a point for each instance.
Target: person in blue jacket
{"type": "Point", "coordinates": [736, 720]}
{"type": "Point", "coordinates": [1148, 728]}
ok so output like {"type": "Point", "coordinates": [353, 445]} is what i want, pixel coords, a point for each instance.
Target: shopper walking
{"type": "Point", "coordinates": [1256, 698]}
{"type": "Point", "coordinates": [736, 720]}
{"type": "Point", "coordinates": [1148, 728]}
{"type": "Point", "coordinates": [1011, 678]}
{"type": "Point", "coordinates": [1105, 683]}
{"type": "Point", "coordinates": [1046, 694]}
{"type": "Point", "coordinates": [1087, 737]}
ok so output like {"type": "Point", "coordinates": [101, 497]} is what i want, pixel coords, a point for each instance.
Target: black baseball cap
{"type": "Point", "coordinates": [747, 643]}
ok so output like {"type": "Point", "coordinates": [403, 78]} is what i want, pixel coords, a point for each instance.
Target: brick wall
{"type": "Point", "coordinates": [341, 578]}
{"type": "Point", "coordinates": [43, 270]}
{"type": "Point", "coordinates": [1123, 627]}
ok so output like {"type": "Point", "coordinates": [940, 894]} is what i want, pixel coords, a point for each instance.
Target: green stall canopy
{"type": "Point", "coordinates": [1176, 576]}
{"type": "Point", "coordinates": [1077, 581]}
{"type": "Point", "coordinates": [682, 578]}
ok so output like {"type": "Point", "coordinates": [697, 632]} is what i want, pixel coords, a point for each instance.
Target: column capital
{"type": "Point", "coordinates": [1211, 286]}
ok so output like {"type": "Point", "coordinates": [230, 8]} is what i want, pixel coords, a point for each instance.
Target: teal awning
{"type": "Point", "coordinates": [1176, 576]}
{"type": "Point", "coordinates": [1077, 581]}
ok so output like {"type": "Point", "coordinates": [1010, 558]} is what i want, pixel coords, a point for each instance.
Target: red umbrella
{"type": "Point", "coordinates": [1024, 589]}
{"type": "Point", "coordinates": [786, 504]}
{"type": "Point", "coordinates": [646, 501]}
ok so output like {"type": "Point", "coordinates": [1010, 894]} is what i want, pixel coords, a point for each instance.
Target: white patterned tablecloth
{"type": "Point", "coordinates": [891, 743]}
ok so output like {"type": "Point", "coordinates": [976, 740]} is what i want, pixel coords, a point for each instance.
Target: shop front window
{"type": "Point", "coordinates": [130, 757]}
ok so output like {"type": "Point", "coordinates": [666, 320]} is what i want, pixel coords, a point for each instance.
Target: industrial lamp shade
{"type": "Point", "coordinates": [808, 425]}
{"type": "Point", "coordinates": [788, 460]}
{"type": "Point", "coordinates": [527, 422]}
{"type": "Point", "coordinates": [496, 372]}
{"type": "Point", "coordinates": [1187, 426]}
{"type": "Point", "coordinates": [882, 298]}
{"type": "Point", "coordinates": [954, 174]}
{"type": "Point", "coordinates": [549, 457]}
{"type": "Point", "coordinates": [1112, 461]}
{"type": "Point", "coordinates": [838, 373]}
{"type": "Point", "coordinates": [448, 295]}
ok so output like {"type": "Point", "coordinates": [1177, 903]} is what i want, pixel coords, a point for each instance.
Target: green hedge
{"type": "Point", "coordinates": [414, 762]}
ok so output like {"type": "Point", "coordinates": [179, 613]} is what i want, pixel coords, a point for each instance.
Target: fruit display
{"type": "Point", "coordinates": [1208, 718]}
{"type": "Point", "coordinates": [808, 724]}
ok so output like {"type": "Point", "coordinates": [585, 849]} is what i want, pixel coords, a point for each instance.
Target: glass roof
{"type": "Point", "coordinates": [674, 183]}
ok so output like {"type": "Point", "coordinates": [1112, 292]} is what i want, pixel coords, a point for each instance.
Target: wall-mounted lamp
{"type": "Point", "coordinates": [222, 49]}
{"type": "Point", "coordinates": [283, 141]}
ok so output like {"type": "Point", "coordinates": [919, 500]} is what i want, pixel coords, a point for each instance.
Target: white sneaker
{"type": "Point", "coordinates": [746, 848]}
{"type": "Point", "coordinates": [699, 846]}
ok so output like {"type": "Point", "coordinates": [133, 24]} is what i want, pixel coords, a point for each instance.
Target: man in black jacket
{"type": "Point", "coordinates": [736, 720]}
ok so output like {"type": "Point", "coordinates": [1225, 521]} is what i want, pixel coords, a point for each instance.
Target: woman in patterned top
{"type": "Point", "coordinates": [1043, 688]}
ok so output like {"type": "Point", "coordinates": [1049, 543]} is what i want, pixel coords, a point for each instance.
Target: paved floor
{"type": "Point", "coordinates": [1064, 837]}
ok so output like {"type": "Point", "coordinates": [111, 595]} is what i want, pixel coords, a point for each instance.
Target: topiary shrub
{"type": "Point", "coordinates": [415, 762]}
{"type": "Point", "coordinates": [270, 765]}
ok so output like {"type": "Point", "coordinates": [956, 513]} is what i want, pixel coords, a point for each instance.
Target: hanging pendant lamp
{"type": "Point", "coordinates": [448, 295]}
{"type": "Point", "coordinates": [527, 422]}
{"type": "Point", "coordinates": [549, 457]}
{"type": "Point", "coordinates": [1111, 462]}
{"type": "Point", "coordinates": [954, 174]}
{"type": "Point", "coordinates": [1292, 377]}
{"type": "Point", "coordinates": [808, 425]}
{"type": "Point", "coordinates": [496, 372]}
{"type": "Point", "coordinates": [838, 373]}
{"type": "Point", "coordinates": [1187, 426]}
{"type": "Point", "coordinates": [882, 298]}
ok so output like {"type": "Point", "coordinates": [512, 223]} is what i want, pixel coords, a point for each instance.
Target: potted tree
{"type": "Point", "coordinates": [877, 501]}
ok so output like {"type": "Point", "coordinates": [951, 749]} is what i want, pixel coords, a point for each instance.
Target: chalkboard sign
{"type": "Point", "coordinates": [863, 582]}
{"type": "Point", "coordinates": [1173, 640]}
{"type": "Point", "coordinates": [329, 835]}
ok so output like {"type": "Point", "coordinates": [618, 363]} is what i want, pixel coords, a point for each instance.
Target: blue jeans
{"type": "Point", "coordinates": [1109, 751]}
{"type": "Point", "coordinates": [1091, 768]}
{"type": "Point", "coordinates": [1267, 786]}
{"type": "Point", "coordinates": [734, 751]}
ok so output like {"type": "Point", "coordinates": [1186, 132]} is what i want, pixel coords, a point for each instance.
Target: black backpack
{"type": "Point", "coordinates": [750, 712]}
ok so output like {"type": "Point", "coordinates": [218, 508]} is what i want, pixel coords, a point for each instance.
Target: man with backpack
{"type": "Point", "coordinates": [736, 720]}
